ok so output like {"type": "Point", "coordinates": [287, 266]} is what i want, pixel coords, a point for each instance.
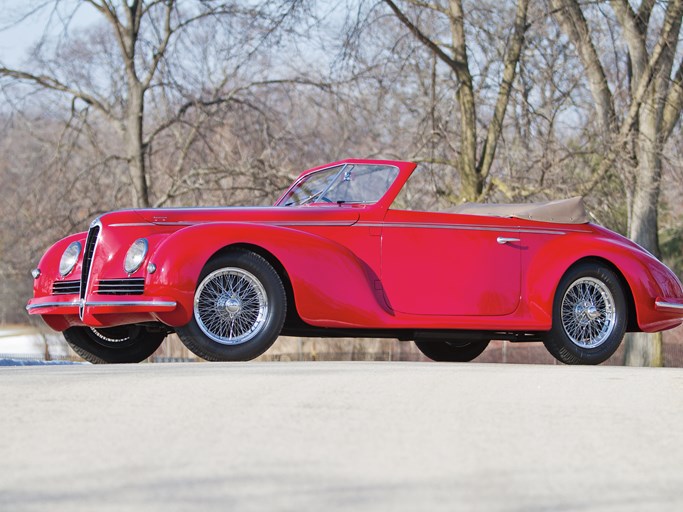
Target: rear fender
{"type": "Point", "coordinates": [646, 277]}
{"type": "Point", "coordinates": [331, 286]}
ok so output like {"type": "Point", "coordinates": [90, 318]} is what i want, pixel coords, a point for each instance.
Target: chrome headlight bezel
{"type": "Point", "coordinates": [69, 258]}
{"type": "Point", "coordinates": [136, 255]}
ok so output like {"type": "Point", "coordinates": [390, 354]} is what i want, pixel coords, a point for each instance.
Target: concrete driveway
{"type": "Point", "coordinates": [340, 436]}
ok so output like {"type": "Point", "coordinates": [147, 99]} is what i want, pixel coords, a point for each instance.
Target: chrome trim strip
{"type": "Point", "coordinates": [310, 223]}
{"type": "Point", "coordinates": [200, 208]}
{"type": "Point", "coordinates": [670, 305]}
{"type": "Point", "coordinates": [267, 223]}
{"type": "Point", "coordinates": [84, 292]}
{"type": "Point", "coordinates": [130, 224]}
{"type": "Point", "coordinates": [466, 227]}
{"type": "Point", "coordinates": [342, 223]}
{"type": "Point", "coordinates": [31, 307]}
{"type": "Point", "coordinates": [131, 303]}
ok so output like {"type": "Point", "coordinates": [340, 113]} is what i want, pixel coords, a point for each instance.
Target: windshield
{"type": "Point", "coordinates": [348, 183]}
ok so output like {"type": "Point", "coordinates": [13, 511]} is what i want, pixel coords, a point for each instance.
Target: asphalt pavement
{"type": "Point", "coordinates": [340, 436]}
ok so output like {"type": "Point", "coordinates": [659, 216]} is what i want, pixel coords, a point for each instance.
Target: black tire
{"type": "Point", "coordinates": [254, 283]}
{"type": "Point", "coordinates": [452, 351]}
{"type": "Point", "coordinates": [587, 330]}
{"type": "Point", "coordinates": [123, 344]}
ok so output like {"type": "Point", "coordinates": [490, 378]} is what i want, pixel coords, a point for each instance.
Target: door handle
{"type": "Point", "coordinates": [503, 240]}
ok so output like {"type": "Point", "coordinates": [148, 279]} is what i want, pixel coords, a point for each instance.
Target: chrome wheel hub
{"type": "Point", "coordinates": [588, 313]}
{"type": "Point", "coordinates": [230, 306]}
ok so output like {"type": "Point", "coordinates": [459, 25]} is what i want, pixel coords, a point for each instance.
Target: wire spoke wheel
{"type": "Point", "coordinates": [588, 312]}
{"type": "Point", "coordinates": [231, 306]}
{"type": "Point", "coordinates": [590, 315]}
{"type": "Point", "coordinates": [240, 305]}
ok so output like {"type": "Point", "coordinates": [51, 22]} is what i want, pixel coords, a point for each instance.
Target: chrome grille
{"type": "Point", "coordinates": [66, 287]}
{"type": "Point", "coordinates": [127, 286]}
{"type": "Point", "coordinates": [87, 257]}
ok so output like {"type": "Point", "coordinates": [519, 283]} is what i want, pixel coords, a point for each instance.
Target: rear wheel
{"type": "Point", "coordinates": [452, 351]}
{"type": "Point", "coordinates": [239, 308]}
{"type": "Point", "coordinates": [122, 344]}
{"type": "Point", "coordinates": [589, 316]}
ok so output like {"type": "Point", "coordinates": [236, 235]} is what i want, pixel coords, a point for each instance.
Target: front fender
{"type": "Point", "coordinates": [49, 265]}
{"type": "Point", "coordinates": [646, 277]}
{"type": "Point", "coordinates": [331, 286]}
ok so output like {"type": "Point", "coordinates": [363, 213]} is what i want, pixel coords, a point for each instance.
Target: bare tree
{"type": "Point", "coordinates": [144, 34]}
{"type": "Point", "coordinates": [475, 158]}
{"type": "Point", "coordinates": [640, 126]}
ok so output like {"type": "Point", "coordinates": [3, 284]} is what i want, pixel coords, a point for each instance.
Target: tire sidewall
{"type": "Point", "coordinates": [86, 344]}
{"type": "Point", "coordinates": [443, 351]}
{"type": "Point", "coordinates": [560, 344]}
{"type": "Point", "coordinates": [203, 346]}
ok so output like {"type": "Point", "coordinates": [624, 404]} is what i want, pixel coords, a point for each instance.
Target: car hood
{"type": "Point", "coordinates": [268, 215]}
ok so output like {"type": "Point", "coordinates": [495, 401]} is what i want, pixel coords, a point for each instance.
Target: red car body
{"type": "Point", "coordinates": [353, 268]}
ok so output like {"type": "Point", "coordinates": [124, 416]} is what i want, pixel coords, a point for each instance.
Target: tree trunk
{"type": "Point", "coordinates": [471, 185]}
{"type": "Point", "coordinates": [643, 222]}
{"type": "Point", "coordinates": [135, 150]}
{"type": "Point", "coordinates": [643, 349]}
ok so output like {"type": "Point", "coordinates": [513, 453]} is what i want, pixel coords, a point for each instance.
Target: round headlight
{"type": "Point", "coordinates": [69, 258]}
{"type": "Point", "coordinates": [135, 255]}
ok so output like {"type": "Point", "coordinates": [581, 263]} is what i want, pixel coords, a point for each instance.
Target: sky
{"type": "Point", "coordinates": [17, 38]}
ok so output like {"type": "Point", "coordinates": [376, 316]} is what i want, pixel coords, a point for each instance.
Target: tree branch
{"type": "Point", "coordinates": [228, 98]}
{"type": "Point", "coordinates": [670, 32]}
{"type": "Point", "coordinates": [674, 103]}
{"type": "Point", "coordinates": [573, 23]}
{"type": "Point", "coordinates": [644, 12]}
{"type": "Point", "coordinates": [52, 83]}
{"type": "Point", "coordinates": [455, 65]}
{"type": "Point", "coordinates": [635, 38]}
{"type": "Point", "coordinates": [161, 50]}
{"type": "Point", "coordinates": [427, 5]}
{"type": "Point", "coordinates": [636, 102]}
{"type": "Point", "coordinates": [109, 13]}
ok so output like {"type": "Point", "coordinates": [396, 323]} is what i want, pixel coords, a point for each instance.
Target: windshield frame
{"type": "Point", "coordinates": [343, 166]}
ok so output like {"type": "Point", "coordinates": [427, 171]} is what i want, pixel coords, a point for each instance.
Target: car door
{"type": "Point", "coordinates": [450, 264]}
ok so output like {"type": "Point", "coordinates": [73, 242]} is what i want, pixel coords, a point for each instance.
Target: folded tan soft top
{"type": "Point", "coordinates": [563, 211]}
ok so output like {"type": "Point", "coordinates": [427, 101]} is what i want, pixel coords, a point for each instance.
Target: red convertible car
{"type": "Point", "coordinates": [336, 257]}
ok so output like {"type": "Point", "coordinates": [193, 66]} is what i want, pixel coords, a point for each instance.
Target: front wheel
{"type": "Point", "coordinates": [239, 308]}
{"type": "Point", "coordinates": [123, 344]}
{"type": "Point", "coordinates": [589, 316]}
{"type": "Point", "coordinates": [452, 351]}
